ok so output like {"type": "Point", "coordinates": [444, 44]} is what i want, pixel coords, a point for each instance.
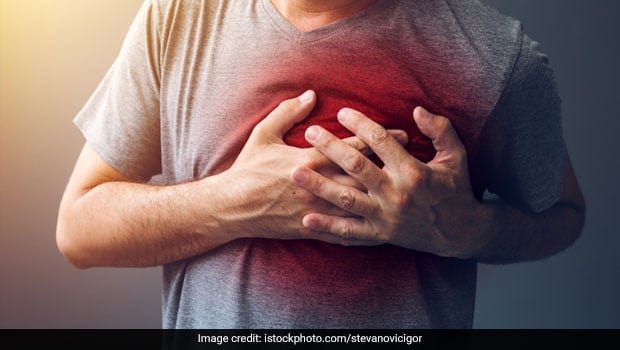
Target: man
{"type": "Point", "coordinates": [267, 218]}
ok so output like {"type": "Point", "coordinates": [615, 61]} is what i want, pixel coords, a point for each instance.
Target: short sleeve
{"type": "Point", "coordinates": [525, 135]}
{"type": "Point", "coordinates": [121, 120]}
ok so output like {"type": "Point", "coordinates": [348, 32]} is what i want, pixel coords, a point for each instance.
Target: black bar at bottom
{"type": "Point", "coordinates": [309, 339]}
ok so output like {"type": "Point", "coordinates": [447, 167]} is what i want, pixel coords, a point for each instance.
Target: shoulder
{"type": "Point", "coordinates": [466, 38]}
{"type": "Point", "coordinates": [479, 16]}
{"type": "Point", "coordinates": [467, 51]}
{"type": "Point", "coordinates": [466, 24]}
{"type": "Point", "coordinates": [173, 7]}
{"type": "Point", "coordinates": [485, 25]}
{"type": "Point", "coordinates": [181, 22]}
{"type": "Point", "coordinates": [501, 39]}
{"type": "Point", "coordinates": [493, 41]}
{"type": "Point", "coordinates": [171, 10]}
{"type": "Point", "coordinates": [178, 12]}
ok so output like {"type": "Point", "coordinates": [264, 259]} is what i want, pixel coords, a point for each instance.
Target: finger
{"type": "Point", "coordinates": [355, 142]}
{"type": "Point", "coordinates": [344, 197]}
{"type": "Point", "coordinates": [348, 158]}
{"type": "Point", "coordinates": [441, 132]}
{"type": "Point", "coordinates": [287, 114]}
{"type": "Point", "coordinates": [347, 228]}
{"type": "Point", "coordinates": [334, 173]}
{"type": "Point", "coordinates": [346, 180]}
{"type": "Point", "coordinates": [383, 144]}
{"type": "Point", "coordinates": [319, 160]}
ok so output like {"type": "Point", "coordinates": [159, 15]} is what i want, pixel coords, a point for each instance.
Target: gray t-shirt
{"type": "Point", "coordinates": [194, 77]}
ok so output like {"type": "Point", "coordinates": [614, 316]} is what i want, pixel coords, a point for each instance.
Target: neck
{"type": "Point", "coordinates": [307, 15]}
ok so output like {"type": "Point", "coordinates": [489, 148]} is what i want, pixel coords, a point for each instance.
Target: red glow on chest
{"type": "Point", "coordinates": [324, 114]}
{"type": "Point", "coordinates": [381, 91]}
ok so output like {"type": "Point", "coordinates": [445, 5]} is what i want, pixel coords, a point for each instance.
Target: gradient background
{"type": "Point", "coordinates": [53, 53]}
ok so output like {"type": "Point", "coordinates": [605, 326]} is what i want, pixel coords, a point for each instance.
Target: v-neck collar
{"type": "Point", "coordinates": [284, 26]}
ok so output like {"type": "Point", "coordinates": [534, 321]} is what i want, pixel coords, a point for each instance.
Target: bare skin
{"type": "Point", "coordinates": [108, 219]}
{"type": "Point", "coordinates": [148, 225]}
{"type": "Point", "coordinates": [277, 191]}
{"type": "Point", "coordinates": [425, 207]}
{"type": "Point", "coordinates": [307, 15]}
{"type": "Point", "coordinates": [431, 207]}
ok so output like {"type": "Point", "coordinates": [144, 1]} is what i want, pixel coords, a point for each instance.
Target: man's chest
{"type": "Point", "coordinates": [211, 102]}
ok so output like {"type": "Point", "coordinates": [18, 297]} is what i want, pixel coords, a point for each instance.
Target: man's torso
{"type": "Point", "coordinates": [227, 64]}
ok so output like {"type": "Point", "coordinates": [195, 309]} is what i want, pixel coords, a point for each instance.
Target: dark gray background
{"type": "Point", "coordinates": [581, 286]}
{"type": "Point", "coordinates": [52, 55]}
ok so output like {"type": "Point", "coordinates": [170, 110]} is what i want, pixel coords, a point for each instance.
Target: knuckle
{"type": "Point", "coordinates": [460, 152]}
{"type": "Point", "coordinates": [420, 179]}
{"type": "Point", "coordinates": [357, 144]}
{"type": "Point", "coordinates": [451, 185]}
{"type": "Point", "coordinates": [443, 123]}
{"type": "Point", "coordinates": [346, 231]}
{"type": "Point", "coordinates": [402, 199]}
{"type": "Point", "coordinates": [408, 168]}
{"type": "Point", "coordinates": [346, 200]}
{"type": "Point", "coordinates": [378, 135]}
{"type": "Point", "coordinates": [287, 105]}
{"type": "Point", "coordinates": [355, 163]}
{"type": "Point", "coordinates": [317, 185]}
{"type": "Point", "coordinates": [327, 227]}
{"type": "Point", "coordinates": [325, 141]}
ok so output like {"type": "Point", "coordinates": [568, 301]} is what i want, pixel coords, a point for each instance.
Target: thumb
{"type": "Point", "coordinates": [441, 132]}
{"type": "Point", "coordinates": [286, 115]}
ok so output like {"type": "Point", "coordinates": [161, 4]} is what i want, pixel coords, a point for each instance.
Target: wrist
{"type": "Point", "coordinates": [215, 202]}
{"type": "Point", "coordinates": [489, 217]}
{"type": "Point", "coordinates": [485, 219]}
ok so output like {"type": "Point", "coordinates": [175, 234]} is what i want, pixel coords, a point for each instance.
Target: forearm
{"type": "Point", "coordinates": [515, 235]}
{"type": "Point", "coordinates": [133, 224]}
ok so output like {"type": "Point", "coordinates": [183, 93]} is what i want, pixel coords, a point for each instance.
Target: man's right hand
{"type": "Point", "coordinates": [107, 218]}
{"type": "Point", "coordinates": [262, 199]}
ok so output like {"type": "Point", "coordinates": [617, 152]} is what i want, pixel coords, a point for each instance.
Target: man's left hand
{"type": "Point", "coordinates": [423, 206]}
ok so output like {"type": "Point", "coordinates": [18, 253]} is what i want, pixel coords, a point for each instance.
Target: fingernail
{"type": "Point", "coordinates": [312, 133]}
{"type": "Point", "coordinates": [308, 222]}
{"type": "Point", "coordinates": [300, 175]}
{"type": "Point", "coordinates": [422, 112]}
{"type": "Point", "coordinates": [345, 114]}
{"type": "Point", "coordinates": [402, 138]}
{"type": "Point", "coordinates": [306, 96]}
